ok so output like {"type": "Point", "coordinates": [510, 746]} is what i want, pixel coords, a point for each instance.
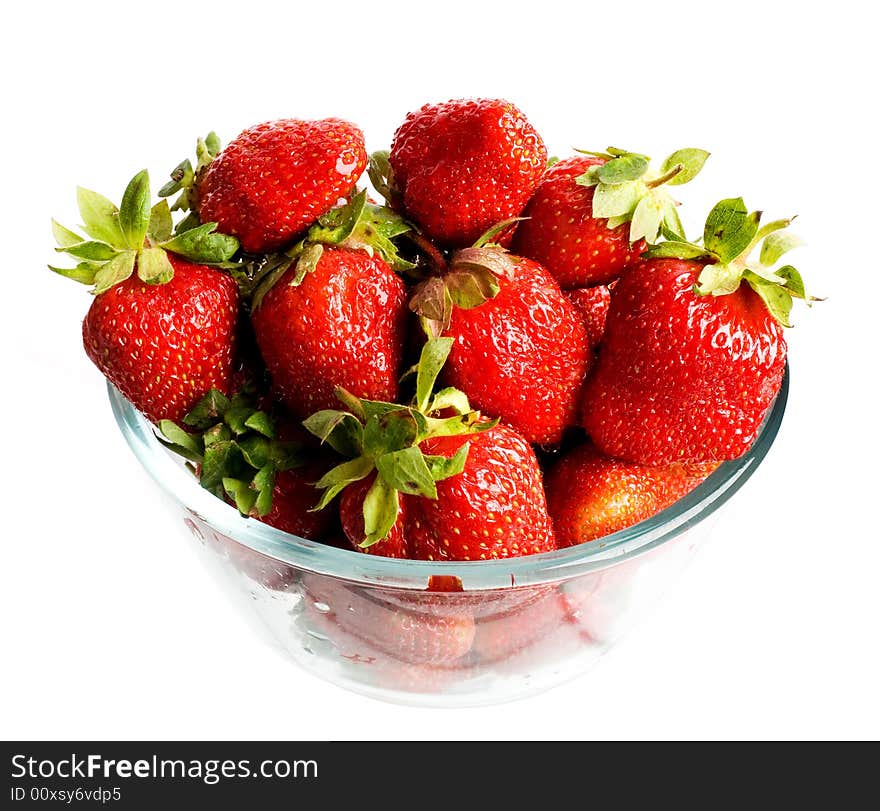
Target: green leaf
{"type": "Point", "coordinates": [646, 219]}
{"type": "Point", "coordinates": [381, 174]}
{"type": "Point", "coordinates": [339, 223]}
{"type": "Point", "coordinates": [691, 160]}
{"type": "Point", "coordinates": [161, 225]}
{"type": "Point", "coordinates": [674, 249]}
{"type": "Point", "coordinates": [153, 266]}
{"type": "Point", "coordinates": [718, 280]}
{"type": "Point", "coordinates": [134, 213]}
{"type": "Point", "coordinates": [260, 422]}
{"type": "Point", "coordinates": [617, 200]}
{"type": "Point", "coordinates": [236, 417]}
{"type": "Point", "coordinates": [64, 236]}
{"type": "Point", "coordinates": [307, 263]}
{"type": "Point", "coordinates": [201, 244]}
{"type": "Point", "coordinates": [207, 411]}
{"type": "Point", "coordinates": [183, 443]}
{"type": "Point", "coordinates": [391, 431]}
{"type": "Point", "coordinates": [730, 228]}
{"type": "Point", "coordinates": [100, 217]}
{"type": "Point", "coordinates": [794, 283]}
{"type": "Point", "coordinates": [256, 450]}
{"type": "Point", "coordinates": [442, 467]}
{"type": "Point", "coordinates": [84, 272]}
{"type": "Point", "coordinates": [433, 356]}
{"type": "Point", "coordinates": [488, 238]}
{"type": "Point", "coordinates": [470, 423]}
{"type": "Point", "coordinates": [243, 496]}
{"type": "Point", "coordinates": [622, 169]}
{"type": "Point", "coordinates": [771, 227]}
{"type": "Point", "coordinates": [776, 245]}
{"type": "Point", "coordinates": [264, 483]}
{"type": "Point", "coordinates": [339, 429]}
{"type": "Point", "coordinates": [220, 455]}
{"type": "Point", "coordinates": [449, 398]}
{"type": "Point", "coordinates": [339, 477]}
{"type": "Point", "coordinates": [212, 143]}
{"type": "Point", "coordinates": [380, 509]}
{"type": "Point", "coordinates": [615, 222]}
{"type": "Point", "coordinates": [117, 270]}
{"type": "Point", "coordinates": [472, 287]}
{"type": "Point", "coordinates": [407, 471]}
{"type": "Point", "coordinates": [777, 299]}
{"type": "Point", "coordinates": [182, 177]}
{"type": "Point", "coordinates": [90, 250]}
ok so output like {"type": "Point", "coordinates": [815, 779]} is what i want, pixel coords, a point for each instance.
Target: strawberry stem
{"type": "Point", "coordinates": [665, 178]}
{"type": "Point", "coordinates": [431, 251]}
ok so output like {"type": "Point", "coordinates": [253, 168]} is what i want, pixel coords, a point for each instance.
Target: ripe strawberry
{"type": "Point", "coordinates": [458, 168]}
{"type": "Point", "coordinates": [592, 303]}
{"type": "Point", "coordinates": [411, 636]}
{"type": "Point", "coordinates": [494, 509]}
{"type": "Point", "coordinates": [471, 488]}
{"type": "Point", "coordinates": [161, 328]}
{"type": "Point", "coordinates": [520, 346]}
{"type": "Point", "coordinates": [692, 357]}
{"type": "Point", "coordinates": [592, 214]}
{"type": "Point", "coordinates": [331, 311]}
{"type": "Point", "coordinates": [590, 495]}
{"type": "Point", "coordinates": [253, 461]}
{"type": "Point", "coordinates": [275, 179]}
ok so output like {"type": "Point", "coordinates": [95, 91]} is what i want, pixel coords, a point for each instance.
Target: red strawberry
{"type": "Point", "coordinates": [592, 303]}
{"type": "Point", "coordinates": [351, 511]}
{"type": "Point", "coordinates": [161, 328]}
{"type": "Point", "coordinates": [460, 167]}
{"type": "Point", "coordinates": [520, 348]}
{"type": "Point", "coordinates": [583, 240]}
{"type": "Point", "coordinates": [495, 508]}
{"type": "Point", "coordinates": [694, 353]}
{"type": "Point", "coordinates": [471, 488]}
{"type": "Point", "coordinates": [293, 497]}
{"type": "Point", "coordinates": [275, 179]}
{"type": "Point", "coordinates": [590, 495]}
{"type": "Point", "coordinates": [342, 325]}
{"type": "Point", "coordinates": [521, 355]}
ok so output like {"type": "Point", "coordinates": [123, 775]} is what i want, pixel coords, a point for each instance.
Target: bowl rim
{"type": "Point", "coordinates": [356, 567]}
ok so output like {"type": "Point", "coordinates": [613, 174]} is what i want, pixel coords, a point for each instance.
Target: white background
{"type": "Point", "coordinates": [110, 628]}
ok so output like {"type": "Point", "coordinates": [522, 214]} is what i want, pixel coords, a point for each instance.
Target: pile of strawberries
{"type": "Point", "coordinates": [512, 355]}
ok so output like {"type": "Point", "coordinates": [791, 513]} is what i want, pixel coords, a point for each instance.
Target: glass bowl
{"type": "Point", "coordinates": [441, 633]}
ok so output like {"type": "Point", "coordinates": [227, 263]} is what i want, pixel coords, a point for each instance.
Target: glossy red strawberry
{"type": "Point", "coordinates": [495, 508]}
{"type": "Point", "coordinates": [163, 346]}
{"type": "Point", "coordinates": [275, 179]}
{"type": "Point", "coordinates": [521, 355]}
{"type": "Point", "coordinates": [592, 303]}
{"type": "Point", "coordinates": [561, 233]}
{"type": "Point", "coordinates": [590, 495]}
{"type": "Point", "coordinates": [462, 166]}
{"type": "Point", "coordinates": [592, 214]}
{"type": "Point", "coordinates": [694, 352]}
{"type": "Point", "coordinates": [161, 328]}
{"type": "Point", "coordinates": [342, 325]}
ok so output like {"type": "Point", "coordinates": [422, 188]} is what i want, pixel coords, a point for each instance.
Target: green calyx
{"type": "Point", "coordinates": [134, 235]}
{"type": "Point", "coordinates": [385, 438]}
{"type": "Point", "coordinates": [184, 180]}
{"type": "Point", "coordinates": [626, 190]}
{"type": "Point", "coordinates": [471, 279]}
{"type": "Point", "coordinates": [235, 447]}
{"type": "Point", "coordinates": [358, 225]}
{"type": "Point", "coordinates": [730, 236]}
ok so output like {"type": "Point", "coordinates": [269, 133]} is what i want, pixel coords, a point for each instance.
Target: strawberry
{"type": "Point", "coordinates": [592, 303]}
{"type": "Point", "coordinates": [471, 488]}
{"type": "Point", "coordinates": [458, 168]}
{"type": "Point", "coordinates": [494, 509]}
{"type": "Point", "coordinates": [162, 325]}
{"type": "Point", "coordinates": [593, 213]}
{"type": "Point", "coordinates": [590, 495]}
{"type": "Point", "coordinates": [520, 347]}
{"type": "Point", "coordinates": [337, 316]}
{"type": "Point", "coordinates": [248, 458]}
{"type": "Point", "coordinates": [694, 351]}
{"type": "Point", "coordinates": [275, 179]}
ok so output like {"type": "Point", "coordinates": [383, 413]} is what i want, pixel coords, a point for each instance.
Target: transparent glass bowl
{"type": "Point", "coordinates": [386, 628]}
